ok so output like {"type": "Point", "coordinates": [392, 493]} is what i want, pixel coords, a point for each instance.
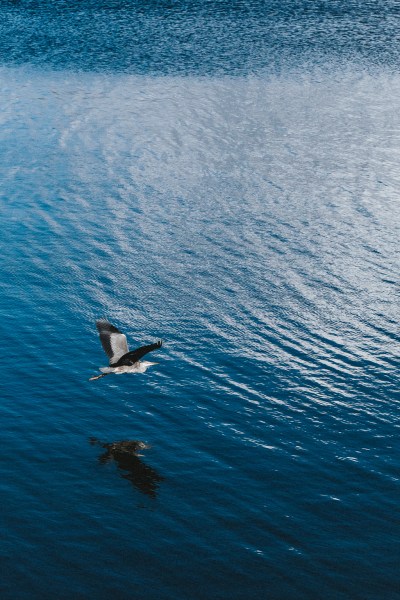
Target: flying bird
{"type": "Point", "coordinates": [116, 347]}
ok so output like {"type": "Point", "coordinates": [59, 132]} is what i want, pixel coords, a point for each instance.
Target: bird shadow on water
{"type": "Point", "coordinates": [130, 464]}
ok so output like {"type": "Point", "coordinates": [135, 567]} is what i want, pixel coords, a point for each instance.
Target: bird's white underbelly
{"type": "Point", "coordinates": [121, 370]}
{"type": "Point", "coordinates": [126, 369]}
{"type": "Point", "coordinates": [139, 367]}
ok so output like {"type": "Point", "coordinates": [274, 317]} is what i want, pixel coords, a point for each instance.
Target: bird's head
{"type": "Point", "coordinates": [145, 364]}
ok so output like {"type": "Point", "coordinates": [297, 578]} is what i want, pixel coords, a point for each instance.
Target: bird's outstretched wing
{"type": "Point", "coordinates": [135, 355]}
{"type": "Point", "coordinates": [113, 341]}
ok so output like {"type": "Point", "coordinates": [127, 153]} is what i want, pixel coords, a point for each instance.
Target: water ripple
{"type": "Point", "coordinates": [251, 223]}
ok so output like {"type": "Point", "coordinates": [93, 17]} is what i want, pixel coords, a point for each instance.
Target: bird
{"type": "Point", "coordinates": [115, 346]}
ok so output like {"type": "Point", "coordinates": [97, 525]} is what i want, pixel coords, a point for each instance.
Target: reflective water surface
{"type": "Point", "coordinates": [241, 205]}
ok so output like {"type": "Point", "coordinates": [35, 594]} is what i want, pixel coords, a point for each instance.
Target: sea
{"type": "Point", "coordinates": [222, 175]}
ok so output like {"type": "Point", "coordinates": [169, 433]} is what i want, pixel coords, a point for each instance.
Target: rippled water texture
{"type": "Point", "coordinates": [198, 37]}
{"type": "Point", "coordinates": [252, 223]}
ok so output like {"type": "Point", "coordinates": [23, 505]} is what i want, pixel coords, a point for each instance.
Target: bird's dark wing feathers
{"type": "Point", "coordinates": [131, 357]}
{"type": "Point", "coordinates": [112, 339]}
{"type": "Point", "coordinates": [103, 325]}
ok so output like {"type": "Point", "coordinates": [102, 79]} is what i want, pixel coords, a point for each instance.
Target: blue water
{"type": "Point", "coordinates": [224, 176]}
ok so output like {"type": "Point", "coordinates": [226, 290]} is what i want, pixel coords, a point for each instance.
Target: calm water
{"type": "Point", "coordinates": [224, 176]}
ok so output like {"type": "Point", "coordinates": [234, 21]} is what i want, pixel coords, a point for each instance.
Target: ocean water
{"type": "Point", "coordinates": [224, 176]}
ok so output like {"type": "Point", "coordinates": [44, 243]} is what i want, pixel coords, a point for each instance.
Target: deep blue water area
{"type": "Point", "coordinates": [225, 177]}
{"type": "Point", "coordinates": [201, 37]}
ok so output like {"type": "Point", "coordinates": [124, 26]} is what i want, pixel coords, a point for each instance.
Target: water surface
{"type": "Point", "coordinates": [246, 213]}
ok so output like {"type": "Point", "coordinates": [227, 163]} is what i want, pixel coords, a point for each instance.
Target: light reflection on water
{"type": "Point", "coordinates": [252, 223]}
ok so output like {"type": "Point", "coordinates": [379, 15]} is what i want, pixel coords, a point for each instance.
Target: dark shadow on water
{"type": "Point", "coordinates": [125, 454]}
